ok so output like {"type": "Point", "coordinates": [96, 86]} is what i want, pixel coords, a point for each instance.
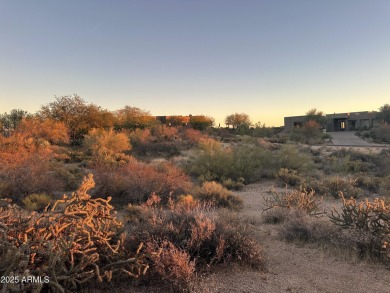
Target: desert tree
{"type": "Point", "coordinates": [133, 118]}
{"type": "Point", "coordinates": [238, 120]}
{"type": "Point", "coordinates": [384, 114]}
{"type": "Point", "coordinates": [9, 121]}
{"type": "Point", "coordinates": [317, 116]}
{"type": "Point", "coordinates": [78, 115]}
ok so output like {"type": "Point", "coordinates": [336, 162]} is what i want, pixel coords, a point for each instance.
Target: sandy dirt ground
{"type": "Point", "coordinates": [296, 268]}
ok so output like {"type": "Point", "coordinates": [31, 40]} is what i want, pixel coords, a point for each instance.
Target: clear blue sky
{"type": "Point", "coordinates": [269, 59]}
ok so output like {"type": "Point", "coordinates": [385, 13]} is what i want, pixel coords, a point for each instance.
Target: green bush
{"type": "Point", "coordinates": [290, 157]}
{"type": "Point", "coordinates": [36, 201]}
{"type": "Point", "coordinates": [216, 163]}
{"type": "Point", "coordinates": [350, 161]}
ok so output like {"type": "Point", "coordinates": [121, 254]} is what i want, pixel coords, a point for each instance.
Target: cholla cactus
{"type": "Point", "coordinates": [73, 241]}
{"type": "Point", "coordinates": [372, 217]}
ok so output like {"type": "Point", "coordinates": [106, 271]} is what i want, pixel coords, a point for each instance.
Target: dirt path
{"type": "Point", "coordinates": [294, 268]}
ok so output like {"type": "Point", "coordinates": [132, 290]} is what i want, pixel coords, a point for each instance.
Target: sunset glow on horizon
{"type": "Point", "coordinates": [268, 59]}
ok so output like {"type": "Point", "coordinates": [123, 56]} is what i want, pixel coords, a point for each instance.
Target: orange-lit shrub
{"type": "Point", "coordinates": [208, 238]}
{"type": "Point", "coordinates": [107, 145]}
{"type": "Point", "coordinates": [218, 195]}
{"type": "Point", "coordinates": [26, 167]}
{"type": "Point", "coordinates": [171, 265]}
{"type": "Point", "coordinates": [53, 131]}
{"type": "Point", "coordinates": [134, 181]}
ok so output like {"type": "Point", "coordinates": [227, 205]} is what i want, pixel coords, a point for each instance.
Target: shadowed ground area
{"type": "Point", "coordinates": [348, 138]}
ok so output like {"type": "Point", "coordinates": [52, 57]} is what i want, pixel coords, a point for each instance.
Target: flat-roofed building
{"type": "Point", "coordinates": [338, 121]}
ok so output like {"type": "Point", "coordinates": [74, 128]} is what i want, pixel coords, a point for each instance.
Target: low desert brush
{"type": "Point", "coordinates": [209, 238]}
{"type": "Point", "coordinates": [307, 201]}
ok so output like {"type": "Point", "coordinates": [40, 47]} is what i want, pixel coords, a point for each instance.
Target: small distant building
{"type": "Point", "coordinates": [174, 120]}
{"type": "Point", "coordinates": [338, 121]}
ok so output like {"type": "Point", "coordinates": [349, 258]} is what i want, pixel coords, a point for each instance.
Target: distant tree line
{"type": "Point", "coordinates": [79, 117]}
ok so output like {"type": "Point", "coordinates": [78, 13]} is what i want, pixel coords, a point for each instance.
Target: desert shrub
{"type": "Point", "coordinates": [381, 133]}
{"type": "Point", "coordinates": [234, 184]}
{"type": "Point", "coordinates": [208, 238]}
{"type": "Point", "coordinates": [298, 226]}
{"type": "Point", "coordinates": [350, 243]}
{"type": "Point", "coordinates": [310, 133]}
{"type": "Point", "coordinates": [70, 176]}
{"type": "Point", "coordinates": [187, 202]}
{"type": "Point", "coordinates": [134, 181]}
{"type": "Point", "coordinates": [335, 185]}
{"type": "Point", "coordinates": [161, 148]}
{"type": "Point", "coordinates": [107, 145]}
{"type": "Point", "coordinates": [275, 215]}
{"type": "Point", "coordinates": [384, 186]}
{"type": "Point", "coordinates": [350, 161]}
{"type": "Point", "coordinates": [192, 136]}
{"type": "Point", "coordinates": [53, 131]}
{"type": "Point", "coordinates": [164, 132]}
{"type": "Point", "coordinates": [172, 265]}
{"type": "Point", "coordinates": [139, 139]}
{"type": "Point", "coordinates": [36, 201]}
{"type": "Point", "coordinates": [333, 164]}
{"type": "Point", "coordinates": [158, 141]}
{"type": "Point", "coordinates": [76, 242]}
{"type": "Point", "coordinates": [368, 217]}
{"type": "Point", "coordinates": [218, 195]}
{"type": "Point", "coordinates": [383, 164]}
{"type": "Point", "coordinates": [369, 183]}
{"type": "Point", "coordinates": [216, 163]}
{"type": "Point", "coordinates": [76, 156]}
{"type": "Point", "coordinates": [290, 157]}
{"type": "Point", "coordinates": [26, 167]}
{"type": "Point", "coordinates": [307, 201]}
{"type": "Point", "coordinates": [289, 177]}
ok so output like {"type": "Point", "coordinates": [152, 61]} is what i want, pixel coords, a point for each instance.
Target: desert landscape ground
{"type": "Point", "coordinates": [122, 201]}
